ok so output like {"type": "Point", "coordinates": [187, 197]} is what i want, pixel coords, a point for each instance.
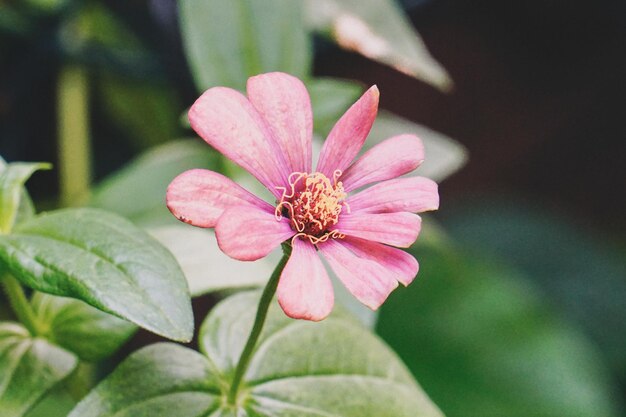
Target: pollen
{"type": "Point", "coordinates": [313, 203]}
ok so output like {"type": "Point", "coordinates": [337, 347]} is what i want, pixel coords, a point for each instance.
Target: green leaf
{"type": "Point", "coordinates": [481, 341]}
{"type": "Point", "coordinates": [137, 191]}
{"type": "Point", "coordinates": [29, 367]}
{"type": "Point", "coordinates": [74, 325]}
{"type": "Point", "coordinates": [106, 261]}
{"type": "Point", "coordinates": [153, 382]}
{"type": "Point", "coordinates": [12, 179]}
{"type": "Point", "coordinates": [330, 99]}
{"type": "Point", "coordinates": [444, 156]}
{"type": "Point", "coordinates": [332, 368]}
{"type": "Point", "coordinates": [228, 41]}
{"type": "Point", "coordinates": [379, 30]}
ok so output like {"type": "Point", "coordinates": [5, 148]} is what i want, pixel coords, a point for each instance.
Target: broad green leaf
{"type": "Point", "coordinates": [379, 30]}
{"type": "Point", "coordinates": [76, 326]}
{"type": "Point", "coordinates": [205, 266]}
{"type": "Point", "coordinates": [159, 380]}
{"type": "Point", "coordinates": [482, 343]}
{"type": "Point", "coordinates": [299, 369]}
{"type": "Point", "coordinates": [12, 179]}
{"type": "Point", "coordinates": [330, 99]}
{"type": "Point", "coordinates": [29, 368]}
{"type": "Point", "coordinates": [137, 191]}
{"type": "Point", "coordinates": [106, 261]}
{"type": "Point", "coordinates": [228, 41]}
{"type": "Point", "coordinates": [444, 156]}
{"type": "Point", "coordinates": [578, 270]}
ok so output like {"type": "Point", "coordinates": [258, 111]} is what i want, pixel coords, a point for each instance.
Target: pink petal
{"type": "Point", "coordinates": [199, 197]}
{"type": "Point", "coordinates": [389, 159]}
{"type": "Point", "coordinates": [304, 290]}
{"type": "Point", "coordinates": [401, 263]}
{"type": "Point", "coordinates": [367, 280]}
{"type": "Point", "coordinates": [397, 229]}
{"type": "Point", "coordinates": [284, 103]}
{"type": "Point", "coordinates": [347, 136]}
{"type": "Point", "coordinates": [250, 233]}
{"type": "Point", "coordinates": [226, 120]}
{"type": "Point", "coordinates": [413, 195]}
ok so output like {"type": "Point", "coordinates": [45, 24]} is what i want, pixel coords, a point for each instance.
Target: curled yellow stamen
{"type": "Point", "coordinates": [313, 204]}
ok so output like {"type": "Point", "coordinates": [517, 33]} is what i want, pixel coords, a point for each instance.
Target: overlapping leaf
{"type": "Point", "coordinates": [29, 367]}
{"type": "Point", "coordinates": [104, 260]}
{"type": "Point", "coordinates": [332, 368]}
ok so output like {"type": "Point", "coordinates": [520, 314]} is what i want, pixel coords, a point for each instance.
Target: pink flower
{"type": "Point", "coordinates": [269, 134]}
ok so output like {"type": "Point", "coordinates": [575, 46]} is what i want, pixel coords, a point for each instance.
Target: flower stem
{"type": "Point", "coordinates": [20, 304]}
{"type": "Point", "coordinates": [259, 321]}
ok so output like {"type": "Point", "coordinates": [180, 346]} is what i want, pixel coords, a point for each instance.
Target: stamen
{"type": "Point", "coordinates": [313, 204]}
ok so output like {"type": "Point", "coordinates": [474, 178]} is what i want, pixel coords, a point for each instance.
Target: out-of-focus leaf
{"type": "Point", "coordinates": [578, 271]}
{"type": "Point", "coordinates": [330, 98]}
{"type": "Point", "coordinates": [104, 260]}
{"type": "Point", "coordinates": [482, 342]}
{"type": "Point", "coordinates": [12, 179]}
{"type": "Point", "coordinates": [205, 266]}
{"type": "Point", "coordinates": [299, 368]}
{"type": "Point", "coordinates": [147, 111]}
{"type": "Point", "coordinates": [138, 190]}
{"type": "Point", "coordinates": [57, 403]}
{"type": "Point", "coordinates": [228, 41]}
{"type": "Point", "coordinates": [29, 368]}
{"type": "Point", "coordinates": [379, 30]}
{"type": "Point", "coordinates": [76, 326]}
{"type": "Point", "coordinates": [444, 156]}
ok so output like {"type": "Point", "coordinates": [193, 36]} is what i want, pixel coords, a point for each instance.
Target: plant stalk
{"type": "Point", "coordinates": [20, 304]}
{"type": "Point", "coordinates": [73, 134]}
{"type": "Point", "coordinates": [259, 321]}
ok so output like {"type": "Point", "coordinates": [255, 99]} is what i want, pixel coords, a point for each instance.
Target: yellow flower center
{"type": "Point", "coordinates": [312, 203]}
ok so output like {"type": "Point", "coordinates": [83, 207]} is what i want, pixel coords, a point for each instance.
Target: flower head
{"type": "Point", "coordinates": [269, 134]}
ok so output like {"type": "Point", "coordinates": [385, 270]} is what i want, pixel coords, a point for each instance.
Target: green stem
{"type": "Point", "coordinates": [73, 134]}
{"type": "Point", "coordinates": [20, 304]}
{"type": "Point", "coordinates": [259, 321]}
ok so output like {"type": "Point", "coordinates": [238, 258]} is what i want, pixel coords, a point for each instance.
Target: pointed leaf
{"type": "Point", "coordinates": [106, 261]}
{"type": "Point", "coordinates": [29, 367]}
{"type": "Point", "coordinates": [379, 30]}
{"type": "Point", "coordinates": [12, 179]}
